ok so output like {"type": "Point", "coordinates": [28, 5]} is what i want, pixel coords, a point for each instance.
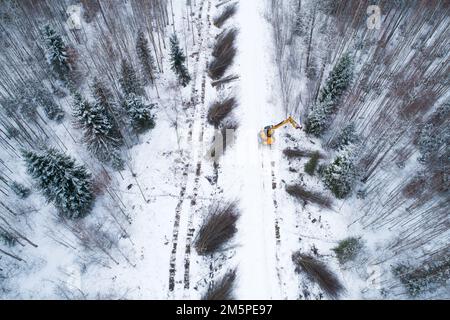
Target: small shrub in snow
{"type": "Point", "coordinates": [117, 163]}
{"type": "Point", "coordinates": [20, 190]}
{"type": "Point", "coordinates": [347, 249]}
{"type": "Point", "coordinates": [361, 194]}
{"type": "Point", "coordinates": [311, 165]}
{"type": "Point", "coordinates": [62, 181]}
{"type": "Point", "coordinates": [223, 288]}
{"type": "Point", "coordinates": [341, 174]}
{"type": "Point", "coordinates": [218, 228]}
{"type": "Point", "coordinates": [428, 277]}
{"type": "Point", "coordinates": [318, 272]}
{"type": "Point", "coordinates": [7, 239]}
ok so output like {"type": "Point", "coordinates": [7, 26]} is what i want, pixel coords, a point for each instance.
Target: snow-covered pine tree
{"type": "Point", "coordinates": [104, 100]}
{"type": "Point", "coordinates": [63, 182]}
{"type": "Point", "coordinates": [129, 81]}
{"type": "Point", "coordinates": [318, 118]}
{"type": "Point", "coordinates": [139, 113]}
{"type": "Point", "coordinates": [146, 58]}
{"type": "Point", "coordinates": [424, 278]}
{"type": "Point", "coordinates": [56, 51]}
{"type": "Point", "coordinates": [346, 137]}
{"type": "Point", "coordinates": [26, 105]}
{"type": "Point", "coordinates": [45, 100]}
{"type": "Point", "coordinates": [177, 59]}
{"type": "Point", "coordinates": [434, 137]}
{"type": "Point", "coordinates": [117, 163]}
{"type": "Point", "coordinates": [338, 80]}
{"type": "Point", "coordinates": [341, 174]}
{"type": "Point", "coordinates": [97, 128]}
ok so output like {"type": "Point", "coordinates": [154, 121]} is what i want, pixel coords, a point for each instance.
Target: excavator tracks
{"type": "Point", "coordinates": [183, 195]}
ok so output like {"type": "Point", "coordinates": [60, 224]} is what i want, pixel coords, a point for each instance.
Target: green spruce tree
{"type": "Point", "coordinates": [63, 182]}
{"type": "Point", "coordinates": [104, 100]}
{"type": "Point", "coordinates": [97, 128]}
{"type": "Point", "coordinates": [139, 113]}
{"type": "Point", "coordinates": [338, 81]}
{"type": "Point", "coordinates": [341, 174]}
{"type": "Point", "coordinates": [178, 59]}
{"type": "Point", "coordinates": [56, 51]}
{"type": "Point", "coordinates": [318, 118]}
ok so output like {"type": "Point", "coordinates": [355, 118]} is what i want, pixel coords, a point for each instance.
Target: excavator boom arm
{"type": "Point", "coordinates": [266, 134]}
{"type": "Point", "coordinates": [288, 120]}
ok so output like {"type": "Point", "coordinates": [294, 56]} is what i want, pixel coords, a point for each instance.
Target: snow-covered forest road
{"type": "Point", "coordinates": [257, 256]}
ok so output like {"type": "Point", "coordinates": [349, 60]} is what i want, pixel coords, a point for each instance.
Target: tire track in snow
{"type": "Point", "coordinates": [187, 167]}
{"type": "Point", "coordinates": [272, 182]}
{"type": "Point", "coordinates": [277, 229]}
{"type": "Point", "coordinates": [194, 209]}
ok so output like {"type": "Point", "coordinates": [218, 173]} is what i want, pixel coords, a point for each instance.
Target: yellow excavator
{"type": "Point", "coordinates": [266, 134]}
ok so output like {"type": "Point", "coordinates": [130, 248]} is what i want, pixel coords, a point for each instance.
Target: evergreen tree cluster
{"type": "Point", "coordinates": [337, 82]}
{"type": "Point", "coordinates": [178, 59]}
{"type": "Point", "coordinates": [426, 278]}
{"type": "Point", "coordinates": [34, 95]}
{"type": "Point", "coordinates": [138, 112]}
{"type": "Point", "coordinates": [63, 182]}
{"type": "Point", "coordinates": [341, 174]}
{"type": "Point", "coordinates": [434, 137]}
{"type": "Point", "coordinates": [56, 51]}
{"type": "Point", "coordinates": [346, 137]}
{"type": "Point", "coordinates": [100, 134]}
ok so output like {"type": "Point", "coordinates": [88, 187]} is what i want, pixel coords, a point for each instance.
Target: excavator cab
{"type": "Point", "coordinates": [266, 135]}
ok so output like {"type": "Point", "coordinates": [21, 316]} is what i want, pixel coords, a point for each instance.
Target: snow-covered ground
{"type": "Point", "coordinates": [151, 212]}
